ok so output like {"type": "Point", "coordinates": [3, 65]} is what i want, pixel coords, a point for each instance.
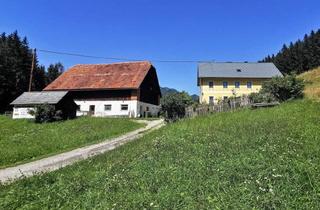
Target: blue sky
{"type": "Point", "coordinates": [244, 30]}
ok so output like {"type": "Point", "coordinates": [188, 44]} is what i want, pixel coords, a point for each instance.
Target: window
{"type": "Point", "coordinates": [225, 84]}
{"type": "Point", "coordinates": [211, 99]}
{"type": "Point", "coordinates": [237, 84]}
{"type": "Point", "coordinates": [78, 107]}
{"type": "Point", "coordinates": [249, 85]}
{"type": "Point", "coordinates": [210, 84]}
{"type": "Point", "coordinates": [147, 108]}
{"type": "Point", "coordinates": [124, 107]}
{"type": "Point", "coordinates": [107, 107]}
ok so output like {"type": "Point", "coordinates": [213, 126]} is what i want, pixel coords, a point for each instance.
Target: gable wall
{"type": "Point", "coordinates": [149, 89]}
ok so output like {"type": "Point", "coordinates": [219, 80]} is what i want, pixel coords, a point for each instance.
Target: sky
{"type": "Point", "coordinates": [215, 30]}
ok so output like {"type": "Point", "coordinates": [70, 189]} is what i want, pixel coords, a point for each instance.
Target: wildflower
{"type": "Point", "coordinates": [271, 191]}
{"type": "Point", "coordinates": [262, 189]}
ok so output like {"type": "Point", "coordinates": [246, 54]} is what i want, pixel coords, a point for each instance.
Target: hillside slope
{"type": "Point", "coordinates": [312, 82]}
{"type": "Point", "coordinates": [166, 91]}
{"type": "Point", "coordinates": [249, 159]}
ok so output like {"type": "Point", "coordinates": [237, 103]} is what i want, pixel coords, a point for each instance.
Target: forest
{"type": "Point", "coordinates": [298, 57]}
{"type": "Point", "coordinates": [15, 67]}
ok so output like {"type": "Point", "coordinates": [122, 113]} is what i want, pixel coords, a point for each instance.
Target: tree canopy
{"type": "Point", "coordinates": [15, 66]}
{"type": "Point", "coordinates": [54, 71]}
{"type": "Point", "coordinates": [298, 57]}
{"type": "Point", "coordinates": [173, 105]}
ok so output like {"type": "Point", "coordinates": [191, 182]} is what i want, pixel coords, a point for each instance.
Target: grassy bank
{"type": "Point", "coordinates": [260, 159]}
{"type": "Point", "coordinates": [312, 83]}
{"type": "Point", "coordinates": [23, 140]}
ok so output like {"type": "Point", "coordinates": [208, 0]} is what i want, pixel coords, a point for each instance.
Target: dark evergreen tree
{"type": "Point", "coordinates": [298, 57]}
{"type": "Point", "coordinates": [39, 78]}
{"type": "Point", "coordinates": [15, 66]}
{"type": "Point", "coordinates": [54, 71]}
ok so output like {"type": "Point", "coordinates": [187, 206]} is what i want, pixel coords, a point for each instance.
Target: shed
{"type": "Point", "coordinates": [27, 101]}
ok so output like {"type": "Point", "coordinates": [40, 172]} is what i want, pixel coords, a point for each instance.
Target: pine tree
{"type": "Point", "coordinates": [15, 60]}
{"type": "Point", "coordinates": [39, 78]}
{"type": "Point", "coordinates": [15, 66]}
{"type": "Point", "coordinates": [298, 57]}
{"type": "Point", "coordinates": [54, 71]}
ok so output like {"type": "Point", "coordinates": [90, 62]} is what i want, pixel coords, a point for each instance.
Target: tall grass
{"type": "Point", "coordinates": [249, 159]}
{"type": "Point", "coordinates": [24, 140]}
{"type": "Point", "coordinates": [312, 82]}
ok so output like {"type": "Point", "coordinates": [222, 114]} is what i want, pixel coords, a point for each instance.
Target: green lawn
{"type": "Point", "coordinates": [23, 140]}
{"type": "Point", "coordinates": [250, 159]}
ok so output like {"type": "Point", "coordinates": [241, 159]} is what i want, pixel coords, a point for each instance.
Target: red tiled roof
{"type": "Point", "coordinates": [127, 75]}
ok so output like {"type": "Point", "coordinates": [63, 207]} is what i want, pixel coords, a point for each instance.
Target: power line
{"type": "Point", "coordinates": [118, 58]}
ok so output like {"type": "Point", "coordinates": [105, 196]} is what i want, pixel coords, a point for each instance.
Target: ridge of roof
{"type": "Point", "coordinates": [116, 63]}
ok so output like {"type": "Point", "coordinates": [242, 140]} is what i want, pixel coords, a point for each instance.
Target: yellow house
{"type": "Point", "coordinates": [218, 81]}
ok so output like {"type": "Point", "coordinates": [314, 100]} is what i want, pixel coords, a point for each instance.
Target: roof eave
{"type": "Point", "coordinates": [32, 104]}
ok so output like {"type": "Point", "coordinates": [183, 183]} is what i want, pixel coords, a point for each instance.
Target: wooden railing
{"type": "Point", "coordinates": [230, 104]}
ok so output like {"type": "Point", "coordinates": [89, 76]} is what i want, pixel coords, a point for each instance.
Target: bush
{"type": "Point", "coordinates": [262, 97]}
{"type": "Point", "coordinates": [173, 106]}
{"type": "Point", "coordinates": [46, 113]}
{"type": "Point", "coordinates": [284, 88]}
{"type": "Point", "coordinates": [279, 89]}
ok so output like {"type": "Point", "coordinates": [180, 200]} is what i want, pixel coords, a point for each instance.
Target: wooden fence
{"type": "Point", "coordinates": [222, 106]}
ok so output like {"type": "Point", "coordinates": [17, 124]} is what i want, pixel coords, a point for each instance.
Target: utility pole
{"type": "Point", "coordinates": [32, 67]}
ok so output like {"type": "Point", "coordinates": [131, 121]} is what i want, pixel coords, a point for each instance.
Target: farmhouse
{"type": "Point", "coordinates": [218, 81]}
{"type": "Point", "coordinates": [26, 102]}
{"type": "Point", "coordinates": [121, 89]}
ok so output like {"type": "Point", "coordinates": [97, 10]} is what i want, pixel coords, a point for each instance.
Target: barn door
{"type": "Point", "coordinates": [91, 110]}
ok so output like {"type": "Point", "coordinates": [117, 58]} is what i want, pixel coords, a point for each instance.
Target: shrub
{"type": "Point", "coordinates": [284, 88]}
{"type": "Point", "coordinates": [173, 106]}
{"type": "Point", "coordinates": [261, 97]}
{"type": "Point", "coordinates": [46, 113]}
{"type": "Point", "coordinates": [279, 89]}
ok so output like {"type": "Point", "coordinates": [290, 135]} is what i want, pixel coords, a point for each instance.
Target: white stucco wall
{"type": "Point", "coordinates": [22, 113]}
{"type": "Point", "coordinates": [133, 108]}
{"type": "Point", "coordinates": [153, 109]}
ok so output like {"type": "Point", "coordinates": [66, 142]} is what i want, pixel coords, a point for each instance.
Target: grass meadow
{"type": "Point", "coordinates": [249, 159]}
{"type": "Point", "coordinates": [23, 140]}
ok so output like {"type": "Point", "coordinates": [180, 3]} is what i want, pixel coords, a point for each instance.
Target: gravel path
{"type": "Point", "coordinates": [61, 160]}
